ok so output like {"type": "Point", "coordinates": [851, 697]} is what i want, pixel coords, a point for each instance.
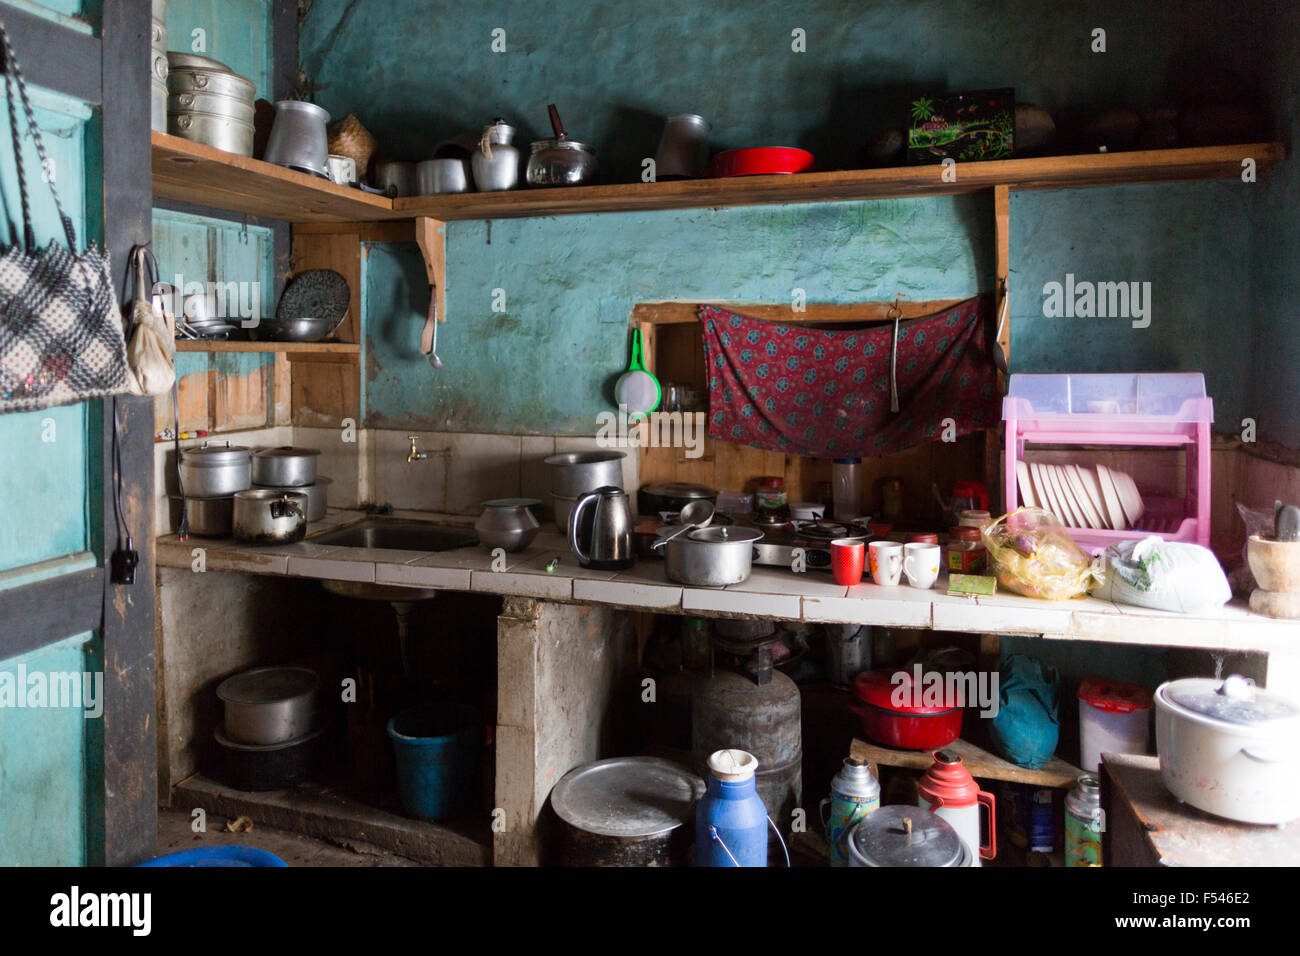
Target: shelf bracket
{"type": "Point", "coordinates": [431, 234]}
{"type": "Point", "coordinates": [1002, 227]}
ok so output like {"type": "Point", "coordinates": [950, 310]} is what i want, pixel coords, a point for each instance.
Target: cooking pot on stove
{"type": "Point", "coordinates": [711, 557]}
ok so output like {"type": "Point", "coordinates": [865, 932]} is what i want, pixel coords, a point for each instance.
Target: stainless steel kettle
{"type": "Point", "coordinates": [604, 542]}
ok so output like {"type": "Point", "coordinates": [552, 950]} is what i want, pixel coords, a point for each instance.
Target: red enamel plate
{"type": "Point", "coordinates": [761, 161]}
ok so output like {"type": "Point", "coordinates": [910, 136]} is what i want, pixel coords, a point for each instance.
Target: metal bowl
{"type": "Point", "coordinates": [301, 329]}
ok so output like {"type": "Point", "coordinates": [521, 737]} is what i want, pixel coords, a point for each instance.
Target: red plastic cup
{"type": "Point", "coordinates": [847, 556]}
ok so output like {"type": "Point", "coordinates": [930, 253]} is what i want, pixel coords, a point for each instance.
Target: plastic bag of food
{"type": "Point", "coordinates": [1164, 575]}
{"type": "Point", "coordinates": [1032, 554]}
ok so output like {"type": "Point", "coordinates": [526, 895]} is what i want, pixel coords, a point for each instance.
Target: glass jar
{"type": "Point", "coordinates": [771, 496]}
{"type": "Point", "coordinates": [846, 484]}
{"type": "Point", "coordinates": [891, 498]}
{"type": "Point", "coordinates": [966, 553]}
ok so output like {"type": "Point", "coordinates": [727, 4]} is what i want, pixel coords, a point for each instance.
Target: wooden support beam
{"type": "Point", "coordinates": [431, 234]}
{"type": "Point", "coordinates": [1002, 226]}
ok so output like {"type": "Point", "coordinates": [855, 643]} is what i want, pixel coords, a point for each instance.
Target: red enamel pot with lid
{"type": "Point", "coordinates": [898, 711]}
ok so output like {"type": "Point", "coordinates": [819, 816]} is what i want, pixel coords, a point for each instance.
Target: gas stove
{"type": "Point", "coordinates": [778, 545]}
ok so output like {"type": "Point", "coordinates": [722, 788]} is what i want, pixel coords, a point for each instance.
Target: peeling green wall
{"type": "Point", "coordinates": [419, 72]}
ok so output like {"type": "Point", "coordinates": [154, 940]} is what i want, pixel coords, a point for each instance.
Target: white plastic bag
{"type": "Point", "coordinates": [150, 355]}
{"type": "Point", "coordinates": [1164, 575]}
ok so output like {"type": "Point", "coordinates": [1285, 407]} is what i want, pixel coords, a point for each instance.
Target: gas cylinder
{"type": "Point", "coordinates": [730, 710]}
{"type": "Point", "coordinates": [949, 790]}
{"type": "Point", "coordinates": [854, 794]}
{"type": "Point", "coordinates": [731, 821]}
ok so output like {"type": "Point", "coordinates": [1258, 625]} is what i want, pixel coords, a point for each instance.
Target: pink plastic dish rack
{"type": "Point", "coordinates": [1133, 409]}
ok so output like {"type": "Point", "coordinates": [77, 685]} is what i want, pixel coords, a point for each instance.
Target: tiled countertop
{"type": "Point", "coordinates": [769, 592]}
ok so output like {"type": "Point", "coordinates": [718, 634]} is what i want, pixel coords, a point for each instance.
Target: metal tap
{"type": "Point", "coordinates": [415, 455]}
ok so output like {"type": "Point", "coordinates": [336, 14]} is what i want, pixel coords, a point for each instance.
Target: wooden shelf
{"type": "Point", "coordinates": [306, 348]}
{"type": "Point", "coordinates": [981, 764]}
{"type": "Point", "coordinates": [204, 176]}
{"type": "Point", "coordinates": [1053, 172]}
{"type": "Point", "coordinates": [192, 173]}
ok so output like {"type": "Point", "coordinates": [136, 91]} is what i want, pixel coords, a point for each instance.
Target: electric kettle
{"type": "Point", "coordinates": [603, 541]}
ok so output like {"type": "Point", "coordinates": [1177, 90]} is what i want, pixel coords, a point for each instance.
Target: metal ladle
{"type": "Point", "coordinates": [697, 514]}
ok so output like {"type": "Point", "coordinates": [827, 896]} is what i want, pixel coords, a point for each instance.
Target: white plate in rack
{"type": "Point", "coordinates": [1111, 497]}
{"type": "Point", "coordinates": [1027, 496]}
{"type": "Point", "coordinates": [1093, 489]}
{"type": "Point", "coordinates": [1130, 499]}
{"type": "Point", "coordinates": [1081, 496]}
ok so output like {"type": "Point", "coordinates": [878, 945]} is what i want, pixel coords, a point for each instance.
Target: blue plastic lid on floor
{"type": "Point", "coordinates": [218, 856]}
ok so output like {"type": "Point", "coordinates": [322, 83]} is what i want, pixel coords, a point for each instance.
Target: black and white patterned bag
{"type": "Point", "coordinates": [61, 335]}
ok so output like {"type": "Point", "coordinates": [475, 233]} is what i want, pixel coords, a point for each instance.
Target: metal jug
{"type": "Point", "coordinates": [496, 162]}
{"type": "Point", "coordinates": [606, 541]}
{"type": "Point", "coordinates": [298, 139]}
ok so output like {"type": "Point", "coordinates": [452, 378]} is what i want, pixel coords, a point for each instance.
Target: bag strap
{"type": "Point", "coordinates": [14, 79]}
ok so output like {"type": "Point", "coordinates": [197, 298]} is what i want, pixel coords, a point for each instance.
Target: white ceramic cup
{"type": "Point", "coordinates": [886, 562]}
{"type": "Point", "coordinates": [921, 564]}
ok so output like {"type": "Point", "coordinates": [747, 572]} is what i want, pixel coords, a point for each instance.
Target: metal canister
{"type": "Point", "coordinates": [1083, 823]}
{"type": "Point", "coordinates": [848, 652]}
{"type": "Point", "coordinates": [855, 793]}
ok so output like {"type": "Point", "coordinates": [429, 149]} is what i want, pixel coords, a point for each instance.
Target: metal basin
{"type": "Point", "coordinates": [399, 535]}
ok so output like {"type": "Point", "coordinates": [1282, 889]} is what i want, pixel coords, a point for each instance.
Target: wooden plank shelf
{"type": "Point", "coordinates": [981, 764]}
{"type": "Point", "coordinates": [193, 173]}
{"type": "Point", "coordinates": [205, 176]}
{"type": "Point", "coordinates": [305, 348]}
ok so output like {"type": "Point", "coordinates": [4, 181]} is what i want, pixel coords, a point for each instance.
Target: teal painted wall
{"type": "Point", "coordinates": [236, 32]}
{"type": "Point", "coordinates": [419, 72]}
{"type": "Point", "coordinates": [47, 756]}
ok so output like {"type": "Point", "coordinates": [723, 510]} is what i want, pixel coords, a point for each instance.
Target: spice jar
{"type": "Point", "coordinates": [770, 499]}
{"type": "Point", "coordinates": [966, 553]}
{"type": "Point", "coordinates": [974, 518]}
{"type": "Point", "coordinates": [920, 537]}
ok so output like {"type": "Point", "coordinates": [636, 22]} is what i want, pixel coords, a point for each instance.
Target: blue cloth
{"type": "Point", "coordinates": [1026, 728]}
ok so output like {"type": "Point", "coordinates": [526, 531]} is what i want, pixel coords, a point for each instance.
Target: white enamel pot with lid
{"type": "Point", "coordinates": [1230, 748]}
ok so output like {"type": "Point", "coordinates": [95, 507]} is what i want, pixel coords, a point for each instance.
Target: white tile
{"type": "Point", "coordinates": [340, 461]}
{"type": "Point", "coordinates": [422, 484]}
{"type": "Point", "coordinates": [412, 575]}
{"type": "Point", "coordinates": [900, 606]}
{"type": "Point", "coordinates": [549, 586]}
{"type": "Point", "coordinates": [332, 570]}
{"type": "Point", "coordinates": [566, 566]}
{"type": "Point", "coordinates": [644, 585]}
{"type": "Point", "coordinates": [990, 615]}
{"type": "Point", "coordinates": [726, 601]}
{"type": "Point", "coordinates": [534, 473]}
{"type": "Point", "coordinates": [481, 467]}
{"type": "Point", "coordinates": [769, 580]}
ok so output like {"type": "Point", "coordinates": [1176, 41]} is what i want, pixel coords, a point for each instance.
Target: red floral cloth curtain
{"type": "Point", "coordinates": [826, 393]}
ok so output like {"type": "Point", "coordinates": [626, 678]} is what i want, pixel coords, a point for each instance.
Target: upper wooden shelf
{"type": "Point", "coordinates": [193, 173]}
{"type": "Point", "coordinates": [208, 177]}
{"type": "Point", "coordinates": [220, 345]}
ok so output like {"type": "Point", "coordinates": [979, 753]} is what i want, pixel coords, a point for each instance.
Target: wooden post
{"type": "Point", "coordinates": [431, 234]}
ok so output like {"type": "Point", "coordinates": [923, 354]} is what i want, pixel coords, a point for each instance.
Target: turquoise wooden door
{"type": "Point", "coordinates": [52, 479]}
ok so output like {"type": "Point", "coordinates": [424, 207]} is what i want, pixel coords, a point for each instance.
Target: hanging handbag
{"type": "Point", "coordinates": [61, 337]}
{"type": "Point", "coordinates": [151, 352]}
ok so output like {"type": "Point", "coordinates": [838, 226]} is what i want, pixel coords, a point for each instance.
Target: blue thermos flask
{"type": "Point", "coordinates": [731, 820]}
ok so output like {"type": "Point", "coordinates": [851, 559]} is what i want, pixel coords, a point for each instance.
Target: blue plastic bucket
{"type": "Point", "coordinates": [437, 750]}
{"type": "Point", "coordinates": [233, 855]}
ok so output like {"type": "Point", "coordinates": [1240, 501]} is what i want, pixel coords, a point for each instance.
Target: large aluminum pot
{"type": "Point", "coordinates": [270, 705]}
{"type": "Point", "coordinates": [317, 496]}
{"type": "Point", "coordinates": [212, 471]}
{"type": "Point", "coordinates": [213, 129]}
{"type": "Point", "coordinates": [209, 517]}
{"type": "Point", "coordinates": [437, 176]}
{"type": "Point", "coordinates": [285, 466]}
{"type": "Point", "coordinates": [396, 178]}
{"type": "Point", "coordinates": [900, 835]}
{"type": "Point", "coordinates": [215, 104]}
{"type": "Point", "coordinates": [270, 516]}
{"type": "Point", "coordinates": [298, 139]}
{"type": "Point", "coordinates": [158, 100]}
{"type": "Point", "coordinates": [711, 557]}
{"type": "Point", "coordinates": [576, 473]}
{"type": "Point", "coordinates": [1230, 748]}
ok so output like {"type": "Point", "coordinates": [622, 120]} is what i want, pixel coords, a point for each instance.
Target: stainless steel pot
{"type": "Point", "coordinates": [158, 68]}
{"type": "Point", "coordinates": [285, 466]}
{"type": "Point", "coordinates": [711, 557]}
{"type": "Point", "coordinates": [395, 178]}
{"type": "Point", "coordinates": [317, 496]}
{"type": "Point", "coordinates": [561, 162]}
{"type": "Point", "coordinates": [209, 517]}
{"type": "Point", "coordinates": [210, 129]}
{"type": "Point", "coordinates": [683, 148]}
{"type": "Point", "coordinates": [219, 82]}
{"type": "Point", "coordinates": [507, 523]}
{"type": "Point", "coordinates": [270, 516]}
{"type": "Point", "coordinates": [213, 471]}
{"type": "Point", "coordinates": [671, 496]}
{"type": "Point", "coordinates": [576, 473]}
{"type": "Point", "coordinates": [215, 104]}
{"type": "Point", "coordinates": [298, 139]}
{"type": "Point", "coordinates": [437, 176]}
{"type": "Point", "coordinates": [270, 705]}
{"type": "Point", "coordinates": [158, 99]}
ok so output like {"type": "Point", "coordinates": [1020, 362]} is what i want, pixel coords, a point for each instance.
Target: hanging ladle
{"type": "Point", "coordinates": [697, 514]}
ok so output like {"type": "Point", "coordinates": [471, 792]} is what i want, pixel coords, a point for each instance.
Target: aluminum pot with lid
{"type": "Point", "coordinates": [285, 466]}
{"type": "Point", "coordinates": [270, 705]}
{"type": "Point", "coordinates": [711, 557]}
{"type": "Point", "coordinates": [298, 139]}
{"type": "Point", "coordinates": [1230, 748]}
{"type": "Point", "coordinates": [317, 496]}
{"type": "Point", "coordinates": [209, 517]}
{"type": "Point", "coordinates": [906, 836]}
{"type": "Point", "coordinates": [213, 471]}
{"type": "Point", "coordinates": [270, 516]}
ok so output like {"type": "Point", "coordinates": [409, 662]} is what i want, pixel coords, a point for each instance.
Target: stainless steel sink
{"type": "Point", "coordinates": [400, 535]}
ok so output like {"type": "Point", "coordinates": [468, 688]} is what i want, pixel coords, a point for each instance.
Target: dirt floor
{"type": "Point", "coordinates": [175, 832]}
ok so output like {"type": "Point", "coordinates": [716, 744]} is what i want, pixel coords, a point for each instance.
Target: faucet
{"type": "Point", "coordinates": [415, 455]}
